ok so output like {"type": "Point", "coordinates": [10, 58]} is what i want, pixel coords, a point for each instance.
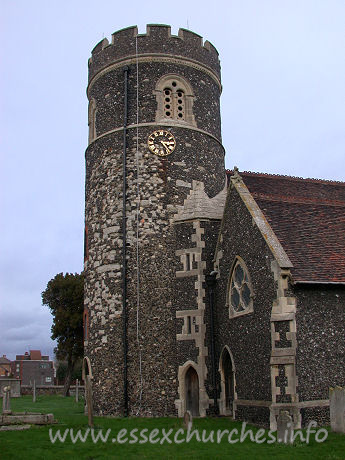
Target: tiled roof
{"type": "Point", "coordinates": [4, 360]}
{"type": "Point", "coordinates": [308, 218]}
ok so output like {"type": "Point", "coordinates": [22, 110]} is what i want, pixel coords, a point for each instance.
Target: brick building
{"type": "Point", "coordinates": [5, 366]}
{"type": "Point", "coordinates": [32, 367]}
{"type": "Point", "coordinates": [205, 290]}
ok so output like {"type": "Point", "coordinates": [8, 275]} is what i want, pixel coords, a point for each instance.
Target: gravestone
{"type": "Point", "coordinates": [88, 390]}
{"type": "Point", "coordinates": [284, 428]}
{"type": "Point", "coordinates": [76, 390]}
{"type": "Point", "coordinates": [34, 392]}
{"type": "Point", "coordinates": [14, 384]}
{"type": "Point", "coordinates": [337, 409]}
{"type": "Point", "coordinates": [188, 419]}
{"type": "Point", "coordinates": [6, 401]}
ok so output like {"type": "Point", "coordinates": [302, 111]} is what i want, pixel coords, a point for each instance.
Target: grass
{"type": "Point", "coordinates": [35, 443]}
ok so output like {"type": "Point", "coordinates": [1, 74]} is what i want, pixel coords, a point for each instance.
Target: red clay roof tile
{"type": "Point", "coordinates": [308, 218]}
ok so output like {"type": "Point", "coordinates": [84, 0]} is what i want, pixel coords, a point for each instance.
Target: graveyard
{"type": "Point", "coordinates": [35, 442]}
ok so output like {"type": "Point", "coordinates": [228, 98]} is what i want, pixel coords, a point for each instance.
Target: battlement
{"type": "Point", "coordinates": [157, 40]}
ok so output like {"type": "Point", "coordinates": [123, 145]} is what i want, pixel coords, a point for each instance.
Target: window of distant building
{"type": "Point", "coordinates": [240, 293]}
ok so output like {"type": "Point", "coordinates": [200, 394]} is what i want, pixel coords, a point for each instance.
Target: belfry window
{"type": "Point", "coordinates": [240, 296]}
{"type": "Point", "coordinates": [174, 100]}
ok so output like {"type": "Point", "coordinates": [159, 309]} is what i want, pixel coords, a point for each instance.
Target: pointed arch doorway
{"type": "Point", "coordinates": [227, 372]}
{"type": "Point", "coordinates": [192, 391]}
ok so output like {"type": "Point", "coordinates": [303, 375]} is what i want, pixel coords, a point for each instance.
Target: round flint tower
{"type": "Point", "coordinates": [154, 164]}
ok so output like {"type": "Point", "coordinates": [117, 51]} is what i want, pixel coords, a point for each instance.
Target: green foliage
{"type": "Point", "coordinates": [61, 371]}
{"type": "Point", "coordinates": [77, 371]}
{"type": "Point", "coordinates": [64, 296]}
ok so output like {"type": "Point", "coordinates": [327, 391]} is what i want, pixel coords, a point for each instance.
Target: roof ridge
{"type": "Point", "coordinates": [285, 176]}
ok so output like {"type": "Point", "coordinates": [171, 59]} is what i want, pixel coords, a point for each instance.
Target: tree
{"type": "Point", "coordinates": [64, 295]}
{"type": "Point", "coordinates": [61, 371]}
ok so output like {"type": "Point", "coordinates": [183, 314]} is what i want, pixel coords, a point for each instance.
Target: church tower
{"type": "Point", "coordinates": [155, 184]}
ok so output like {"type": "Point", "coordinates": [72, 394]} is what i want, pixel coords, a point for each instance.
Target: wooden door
{"type": "Point", "coordinates": [228, 380]}
{"type": "Point", "coordinates": [192, 391]}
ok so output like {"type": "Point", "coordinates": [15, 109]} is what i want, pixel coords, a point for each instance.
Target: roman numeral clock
{"type": "Point", "coordinates": [161, 143]}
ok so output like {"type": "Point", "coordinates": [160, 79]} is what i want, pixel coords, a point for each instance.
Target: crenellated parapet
{"type": "Point", "coordinates": [157, 41]}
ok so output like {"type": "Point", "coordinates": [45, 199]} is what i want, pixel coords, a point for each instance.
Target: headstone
{"type": "Point", "coordinates": [284, 428]}
{"type": "Point", "coordinates": [88, 389]}
{"type": "Point", "coordinates": [14, 384]}
{"type": "Point", "coordinates": [34, 392]}
{"type": "Point", "coordinates": [188, 419]}
{"type": "Point", "coordinates": [337, 409]}
{"type": "Point", "coordinates": [6, 401]}
{"type": "Point", "coordinates": [76, 390]}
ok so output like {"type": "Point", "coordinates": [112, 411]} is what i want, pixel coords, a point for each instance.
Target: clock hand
{"type": "Point", "coordinates": [165, 146]}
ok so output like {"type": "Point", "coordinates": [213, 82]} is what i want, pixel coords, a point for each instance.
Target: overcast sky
{"type": "Point", "coordinates": [282, 112]}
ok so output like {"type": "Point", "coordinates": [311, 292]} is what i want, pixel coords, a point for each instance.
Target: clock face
{"type": "Point", "coordinates": [161, 143]}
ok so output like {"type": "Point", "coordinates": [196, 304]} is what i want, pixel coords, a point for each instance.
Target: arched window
{"type": "Point", "coordinates": [174, 100]}
{"type": "Point", "coordinates": [240, 293]}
